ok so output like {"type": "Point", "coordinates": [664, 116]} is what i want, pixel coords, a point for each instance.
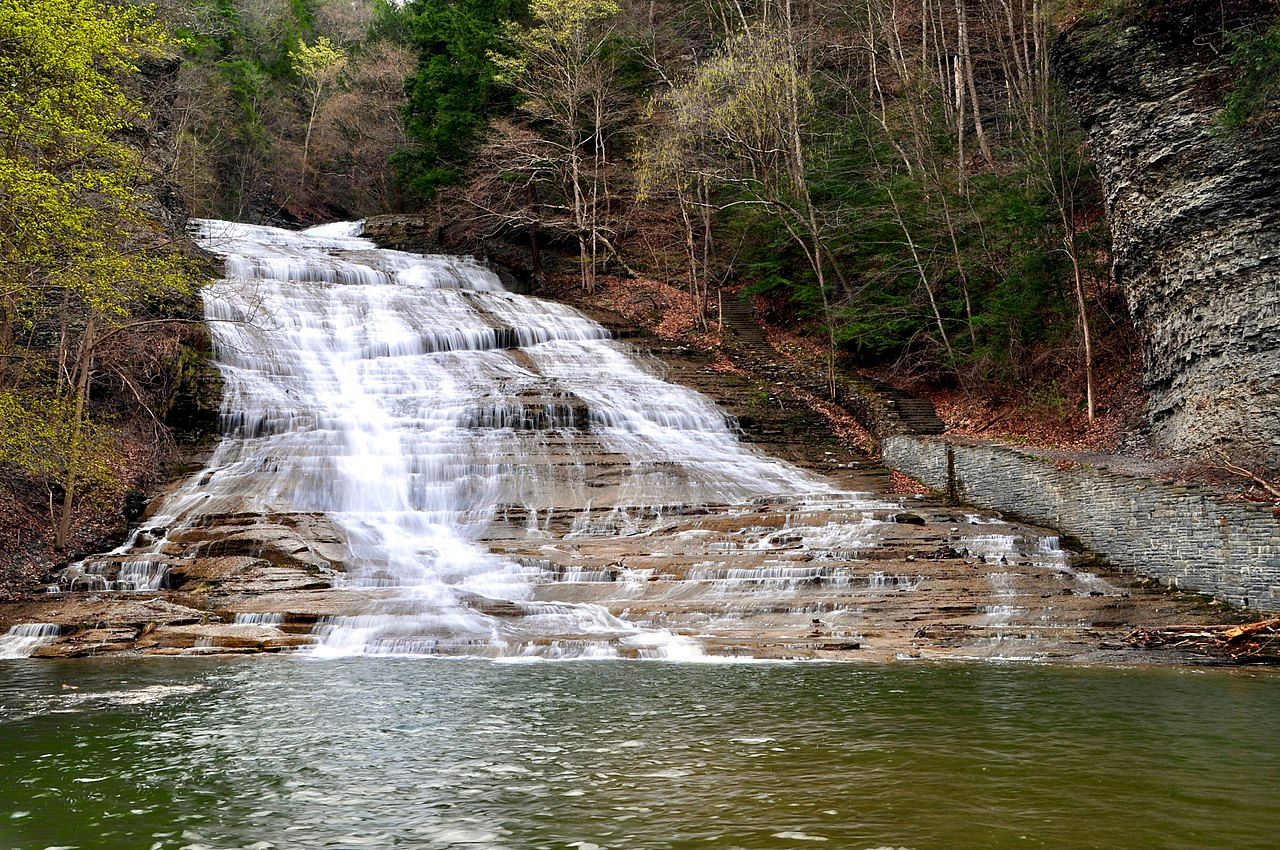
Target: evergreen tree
{"type": "Point", "coordinates": [456, 87]}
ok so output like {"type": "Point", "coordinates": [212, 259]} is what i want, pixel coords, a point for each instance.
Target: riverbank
{"type": "Point", "coordinates": [1142, 514]}
{"type": "Point", "coordinates": [789, 420]}
{"type": "Point", "coordinates": [1180, 534]}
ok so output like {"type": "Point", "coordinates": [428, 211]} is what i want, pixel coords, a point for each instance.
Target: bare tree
{"type": "Point", "coordinates": [568, 82]}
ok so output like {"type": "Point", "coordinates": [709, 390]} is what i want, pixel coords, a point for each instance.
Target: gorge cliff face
{"type": "Point", "coordinates": [1195, 218]}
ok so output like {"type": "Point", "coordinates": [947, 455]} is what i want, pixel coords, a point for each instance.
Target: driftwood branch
{"type": "Point", "coordinates": [1240, 641]}
{"type": "Point", "coordinates": [1225, 463]}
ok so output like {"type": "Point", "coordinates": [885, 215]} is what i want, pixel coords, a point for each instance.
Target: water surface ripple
{"type": "Point", "coordinates": [283, 753]}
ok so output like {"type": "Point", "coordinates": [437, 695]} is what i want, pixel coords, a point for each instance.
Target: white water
{"type": "Point", "coordinates": [23, 639]}
{"type": "Point", "coordinates": [140, 575]}
{"type": "Point", "coordinates": [415, 401]}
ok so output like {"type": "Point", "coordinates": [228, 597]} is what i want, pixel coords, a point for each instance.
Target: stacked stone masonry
{"type": "Point", "coordinates": [1185, 536]}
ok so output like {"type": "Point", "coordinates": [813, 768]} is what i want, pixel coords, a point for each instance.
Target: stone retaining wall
{"type": "Point", "coordinates": [1183, 535]}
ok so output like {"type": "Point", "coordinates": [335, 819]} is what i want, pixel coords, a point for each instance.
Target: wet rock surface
{"type": "Point", "coordinates": [876, 578]}
{"type": "Point", "coordinates": [893, 576]}
{"type": "Point", "coordinates": [418, 462]}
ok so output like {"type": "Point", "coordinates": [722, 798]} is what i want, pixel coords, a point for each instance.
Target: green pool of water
{"type": "Point", "coordinates": [290, 753]}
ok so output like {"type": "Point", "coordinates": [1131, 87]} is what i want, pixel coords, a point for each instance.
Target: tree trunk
{"type": "Point", "coordinates": [83, 368]}
{"type": "Point", "coordinates": [691, 252]}
{"type": "Point", "coordinates": [966, 60]}
{"type": "Point", "coordinates": [311, 123]}
{"type": "Point", "coordinates": [924, 279]}
{"type": "Point", "coordinates": [534, 249]}
{"type": "Point", "coordinates": [1082, 303]}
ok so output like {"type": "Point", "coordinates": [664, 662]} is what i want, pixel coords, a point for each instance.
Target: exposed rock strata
{"type": "Point", "coordinates": [1181, 534]}
{"type": "Point", "coordinates": [511, 256]}
{"type": "Point", "coordinates": [1195, 217]}
{"type": "Point", "coordinates": [776, 579]}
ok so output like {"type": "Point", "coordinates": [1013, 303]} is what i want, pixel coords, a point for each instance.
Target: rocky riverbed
{"type": "Point", "coordinates": [875, 578]}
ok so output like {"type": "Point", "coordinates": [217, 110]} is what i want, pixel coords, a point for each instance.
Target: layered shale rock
{"type": "Point", "coordinates": [1195, 216]}
{"type": "Point", "coordinates": [837, 576]}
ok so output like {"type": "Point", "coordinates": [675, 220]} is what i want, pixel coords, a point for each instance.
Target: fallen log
{"type": "Point", "coordinates": [1250, 629]}
{"type": "Point", "coordinates": [1237, 641]}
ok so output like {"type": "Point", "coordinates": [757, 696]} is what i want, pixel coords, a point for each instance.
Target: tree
{"type": "Point", "coordinates": [675, 167]}
{"type": "Point", "coordinates": [455, 90]}
{"type": "Point", "coordinates": [1255, 97]}
{"type": "Point", "coordinates": [79, 250]}
{"type": "Point", "coordinates": [360, 129]}
{"type": "Point", "coordinates": [49, 441]}
{"type": "Point", "coordinates": [750, 103]}
{"type": "Point", "coordinates": [565, 72]}
{"type": "Point", "coordinates": [896, 175]}
{"type": "Point", "coordinates": [318, 65]}
{"type": "Point", "coordinates": [238, 114]}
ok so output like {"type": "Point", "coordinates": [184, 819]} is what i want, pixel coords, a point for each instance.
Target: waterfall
{"type": "Point", "coordinates": [414, 401]}
{"type": "Point", "coordinates": [23, 639]}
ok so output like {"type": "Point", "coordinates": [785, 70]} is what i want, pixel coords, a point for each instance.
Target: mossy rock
{"type": "Point", "coordinates": [197, 399]}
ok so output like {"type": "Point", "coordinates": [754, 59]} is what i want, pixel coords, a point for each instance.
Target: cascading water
{"type": "Point", "coordinates": [415, 402]}
{"type": "Point", "coordinates": [22, 639]}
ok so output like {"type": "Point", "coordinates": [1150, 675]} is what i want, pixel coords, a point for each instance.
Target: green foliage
{"type": "Point", "coordinates": [990, 247]}
{"type": "Point", "coordinates": [562, 67]}
{"type": "Point", "coordinates": [72, 206]}
{"type": "Point", "coordinates": [390, 22]}
{"type": "Point", "coordinates": [771, 261]}
{"type": "Point", "coordinates": [1022, 304]}
{"type": "Point", "coordinates": [1255, 98]}
{"type": "Point", "coordinates": [303, 13]}
{"type": "Point", "coordinates": [456, 88]}
{"type": "Point", "coordinates": [245, 135]}
{"type": "Point", "coordinates": [564, 35]}
{"type": "Point", "coordinates": [80, 250]}
{"type": "Point", "coordinates": [42, 437]}
{"type": "Point", "coordinates": [246, 84]}
{"type": "Point", "coordinates": [318, 63]}
{"type": "Point", "coordinates": [238, 33]}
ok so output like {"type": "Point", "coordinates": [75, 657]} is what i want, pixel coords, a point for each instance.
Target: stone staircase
{"type": "Point", "coordinates": [881, 407]}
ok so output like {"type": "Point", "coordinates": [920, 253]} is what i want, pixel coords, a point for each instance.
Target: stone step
{"type": "Point", "coordinates": [753, 352]}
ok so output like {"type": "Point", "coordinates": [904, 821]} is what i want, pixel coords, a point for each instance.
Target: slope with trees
{"type": "Point", "coordinates": [95, 286]}
{"type": "Point", "coordinates": [900, 180]}
{"type": "Point", "coordinates": [286, 110]}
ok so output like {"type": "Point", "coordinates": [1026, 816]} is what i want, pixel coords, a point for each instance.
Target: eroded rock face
{"type": "Point", "coordinates": [378, 494]}
{"type": "Point", "coordinates": [250, 552]}
{"type": "Point", "coordinates": [103, 623]}
{"type": "Point", "coordinates": [510, 255]}
{"type": "Point", "coordinates": [1195, 217]}
{"type": "Point", "coordinates": [298, 540]}
{"type": "Point", "coordinates": [226, 583]}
